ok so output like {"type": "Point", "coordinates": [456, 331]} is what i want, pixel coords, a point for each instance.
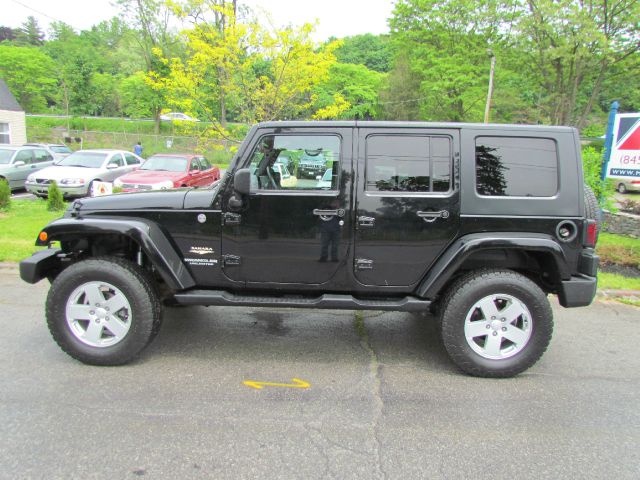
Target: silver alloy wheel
{"type": "Point", "coordinates": [498, 326]}
{"type": "Point", "coordinates": [98, 314]}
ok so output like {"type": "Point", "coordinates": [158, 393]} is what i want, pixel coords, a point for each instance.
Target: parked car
{"type": "Point", "coordinates": [76, 173]}
{"type": "Point", "coordinates": [17, 162]}
{"type": "Point", "coordinates": [58, 150]}
{"type": "Point", "coordinates": [626, 184]}
{"type": "Point", "coordinates": [312, 163]}
{"type": "Point", "coordinates": [164, 171]}
{"type": "Point", "coordinates": [177, 116]}
{"type": "Point", "coordinates": [325, 181]}
{"type": "Point", "coordinates": [286, 179]}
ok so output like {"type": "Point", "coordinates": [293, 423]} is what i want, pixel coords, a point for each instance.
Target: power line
{"type": "Point", "coordinates": [37, 11]}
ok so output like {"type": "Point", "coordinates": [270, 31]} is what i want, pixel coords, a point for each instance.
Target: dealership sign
{"type": "Point", "coordinates": [625, 150]}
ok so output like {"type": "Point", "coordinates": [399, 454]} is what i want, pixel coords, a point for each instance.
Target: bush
{"type": "Point", "coordinates": [5, 195]}
{"type": "Point", "coordinates": [592, 166]}
{"type": "Point", "coordinates": [55, 201]}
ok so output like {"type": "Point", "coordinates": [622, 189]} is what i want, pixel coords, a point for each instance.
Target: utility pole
{"type": "Point", "coordinates": [490, 92]}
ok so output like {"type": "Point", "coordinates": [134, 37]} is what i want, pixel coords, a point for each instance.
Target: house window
{"type": "Point", "coordinates": [4, 133]}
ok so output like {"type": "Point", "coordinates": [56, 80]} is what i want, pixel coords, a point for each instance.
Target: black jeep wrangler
{"type": "Point", "coordinates": [476, 223]}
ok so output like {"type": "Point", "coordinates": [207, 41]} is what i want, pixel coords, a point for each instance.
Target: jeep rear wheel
{"type": "Point", "coordinates": [103, 311]}
{"type": "Point", "coordinates": [495, 323]}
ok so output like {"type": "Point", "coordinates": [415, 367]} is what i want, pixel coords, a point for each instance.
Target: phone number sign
{"type": "Point", "coordinates": [625, 150]}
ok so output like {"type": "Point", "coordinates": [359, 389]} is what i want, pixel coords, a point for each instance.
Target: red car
{"type": "Point", "coordinates": [165, 171]}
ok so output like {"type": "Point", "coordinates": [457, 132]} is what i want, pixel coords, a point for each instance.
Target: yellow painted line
{"type": "Point", "coordinates": [297, 383]}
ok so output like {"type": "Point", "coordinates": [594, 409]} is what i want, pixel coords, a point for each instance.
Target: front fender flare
{"type": "Point", "coordinates": [449, 262]}
{"type": "Point", "coordinates": [146, 233]}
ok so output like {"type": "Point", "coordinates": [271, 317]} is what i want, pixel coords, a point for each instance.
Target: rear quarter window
{"type": "Point", "coordinates": [516, 166]}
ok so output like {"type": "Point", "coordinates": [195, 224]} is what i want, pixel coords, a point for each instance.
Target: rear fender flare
{"type": "Point", "coordinates": [451, 260]}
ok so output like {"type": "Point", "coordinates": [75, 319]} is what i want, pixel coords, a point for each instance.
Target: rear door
{"type": "Point", "coordinates": [408, 204]}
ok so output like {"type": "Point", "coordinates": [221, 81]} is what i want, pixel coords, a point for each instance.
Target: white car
{"type": "Point", "coordinates": [178, 116]}
{"type": "Point", "coordinates": [75, 174]}
{"type": "Point", "coordinates": [324, 183]}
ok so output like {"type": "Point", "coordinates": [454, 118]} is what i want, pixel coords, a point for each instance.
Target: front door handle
{"type": "Point", "coordinates": [326, 215]}
{"type": "Point", "coordinates": [432, 216]}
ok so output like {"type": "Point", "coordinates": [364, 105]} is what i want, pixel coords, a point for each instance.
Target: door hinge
{"type": "Point", "coordinates": [366, 221]}
{"type": "Point", "coordinates": [230, 260]}
{"type": "Point", "coordinates": [364, 264]}
{"type": "Point", "coordinates": [231, 218]}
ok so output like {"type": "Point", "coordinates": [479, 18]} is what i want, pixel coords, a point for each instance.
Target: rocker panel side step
{"type": "Point", "coordinates": [326, 301]}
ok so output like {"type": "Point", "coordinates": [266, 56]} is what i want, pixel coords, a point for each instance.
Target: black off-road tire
{"type": "Point", "coordinates": [592, 207]}
{"type": "Point", "coordinates": [466, 292]}
{"type": "Point", "coordinates": [134, 283]}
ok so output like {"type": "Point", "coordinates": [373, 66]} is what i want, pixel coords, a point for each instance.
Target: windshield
{"type": "Point", "coordinates": [84, 159]}
{"type": "Point", "coordinates": [61, 149]}
{"type": "Point", "coordinates": [5, 155]}
{"type": "Point", "coordinates": [165, 163]}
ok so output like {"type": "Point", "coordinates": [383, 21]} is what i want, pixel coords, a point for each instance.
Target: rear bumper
{"type": "Point", "coordinates": [577, 292]}
{"type": "Point", "coordinates": [38, 265]}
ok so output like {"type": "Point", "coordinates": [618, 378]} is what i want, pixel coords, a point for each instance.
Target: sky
{"type": "Point", "coordinates": [338, 18]}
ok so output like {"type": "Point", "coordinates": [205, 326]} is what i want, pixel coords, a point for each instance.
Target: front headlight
{"type": "Point", "coordinates": [162, 185]}
{"type": "Point", "coordinates": [72, 182]}
{"type": "Point", "coordinates": [31, 178]}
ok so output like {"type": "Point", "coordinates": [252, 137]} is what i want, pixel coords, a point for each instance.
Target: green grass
{"type": "Point", "coordinates": [619, 249]}
{"type": "Point", "coordinates": [613, 281]}
{"type": "Point", "coordinates": [19, 227]}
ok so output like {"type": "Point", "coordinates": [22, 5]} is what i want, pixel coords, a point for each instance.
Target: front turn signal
{"type": "Point", "coordinates": [43, 236]}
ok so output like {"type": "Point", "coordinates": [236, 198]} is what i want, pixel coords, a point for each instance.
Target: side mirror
{"type": "Point", "coordinates": [19, 163]}
{"type": "Point", "coordinates": [111, 166]}
{"type": "Point", "coordinates": [242, 181]}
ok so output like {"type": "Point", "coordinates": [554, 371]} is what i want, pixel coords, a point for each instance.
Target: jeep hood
{"type": "Point", "coordinates": [162, 200]}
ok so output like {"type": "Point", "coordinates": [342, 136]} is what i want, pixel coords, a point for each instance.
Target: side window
{"type": "Point", "coordinates": [24, 156]}
{"type": "Point", "coordinates": [131, 160]}
{"type": "Point", "coordinates": [408, 163]}
{"type": "Point", "coordinates": [117, 159]}
{"type": "Point", "coordinates": [194, 165]}
{"type": "Point", "coordinates": [204, 164]}
{"type": "Point", "coordinates": [296, 162]}
{"type": "Point", "coordinates": [516, 167]}
{"type": "Point", "coordinates": [41, 156]}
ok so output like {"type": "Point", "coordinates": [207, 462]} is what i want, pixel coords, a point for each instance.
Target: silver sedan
{"type": "Point", "coordinates": [76, 173]}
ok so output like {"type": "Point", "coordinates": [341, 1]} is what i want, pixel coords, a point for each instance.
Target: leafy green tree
{"type": "Point", "coordinates": [370, 50]}
{"type": "Point", "coordinates": [28, 73]}
{"type": "Point", "coordinates": [357, 86]}
{"type": "Point", "coordinates": [7, 33]}
{"type": "Point", "coordinates": [30, 33]}
{"type": "Point", "coordinates": [138, 99]}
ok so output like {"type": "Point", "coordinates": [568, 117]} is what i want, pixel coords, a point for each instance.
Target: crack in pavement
{"type": "Point", "coordinates": [374, 373]}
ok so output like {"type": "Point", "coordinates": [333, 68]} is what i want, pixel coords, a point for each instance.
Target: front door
{"type": "Point", "coordinates": [407, 203]}
{"type": "Point", "coordinates": [293, 230]}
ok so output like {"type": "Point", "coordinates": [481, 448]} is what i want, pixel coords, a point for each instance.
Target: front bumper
{"type": "Point", "coordinates": [38, 265]}
{"type": "Point", "coordinates": [67, 192]}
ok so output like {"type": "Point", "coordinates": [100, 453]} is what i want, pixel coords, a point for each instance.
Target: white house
{"type": "Point", "coordinates": [13, 128]}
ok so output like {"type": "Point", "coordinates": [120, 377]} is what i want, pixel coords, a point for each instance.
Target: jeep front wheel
{"type": "Point", "coordinates": [103, 311]}
{"type": "Point", "coordinates": [495, 323]}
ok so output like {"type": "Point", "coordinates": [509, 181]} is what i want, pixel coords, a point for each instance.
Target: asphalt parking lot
{"type": "Point", "coordinates": [383, 401]}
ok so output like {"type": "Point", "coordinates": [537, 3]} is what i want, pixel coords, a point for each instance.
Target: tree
{"type": "Point", "coordinates": [138, 99]}
{"type": "Point", "coordinates": [30, 33]}
{"type": "Point", "coordinates": [150, 18]}
{"type": "Point", "coordinates": [357, 88]}
{"type": "Point", "coordinates": [7, 33]}
{"type": "Point", "coordinates": [369, 50]}
{"type": "Point", "coordinates": [270, 74]}
{"type": "Point", "coordinates": [574, 44]}
{"type": "Point", "coordinates": [445, 45]}
{"type": "Point", "coordinates": [27, 72]}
